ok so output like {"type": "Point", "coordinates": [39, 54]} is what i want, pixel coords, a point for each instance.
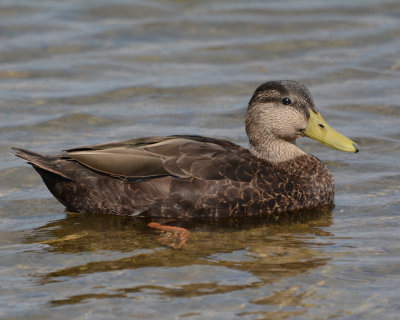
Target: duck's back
{"type": "Point", "coordinates": [180, 176]}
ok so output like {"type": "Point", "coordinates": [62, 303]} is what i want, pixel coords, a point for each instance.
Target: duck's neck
{"type": "Point", "coordinates": [276, 151]}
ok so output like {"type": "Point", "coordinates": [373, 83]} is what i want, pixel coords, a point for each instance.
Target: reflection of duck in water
{"type": "Point", "coordinates": [275, 248]}
{"type": "Point", "coordinates": [192, 176]}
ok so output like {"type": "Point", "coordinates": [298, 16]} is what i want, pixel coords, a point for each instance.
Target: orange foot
{"type": "Point", "coordinates": [174, 237]}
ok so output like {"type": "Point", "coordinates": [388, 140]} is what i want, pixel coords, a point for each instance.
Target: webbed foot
{"type": "Point", "coordinates": [173, 237]}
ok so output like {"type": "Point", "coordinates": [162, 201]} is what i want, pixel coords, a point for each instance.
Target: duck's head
{"type": "Point", "coordinates": [279, 112]}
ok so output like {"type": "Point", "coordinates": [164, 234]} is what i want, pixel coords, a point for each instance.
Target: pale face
{"type": "Point", "coordinates": [268, 121]}
{"type": "Point", "coordinates": [287, 123]}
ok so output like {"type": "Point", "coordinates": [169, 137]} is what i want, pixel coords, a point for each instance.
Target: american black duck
{"type": "Point", "coordinates": [194, 176]}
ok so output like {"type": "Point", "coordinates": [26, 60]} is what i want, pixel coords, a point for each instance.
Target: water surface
{"type": "Point", "coordinates": [76, 73]}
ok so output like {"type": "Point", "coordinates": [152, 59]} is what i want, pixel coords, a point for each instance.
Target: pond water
{"type": "Point", "coordinates": [81, 72]}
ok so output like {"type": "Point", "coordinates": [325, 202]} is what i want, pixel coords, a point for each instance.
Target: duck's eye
{"type": "Point", "coordinates": [286, 101]}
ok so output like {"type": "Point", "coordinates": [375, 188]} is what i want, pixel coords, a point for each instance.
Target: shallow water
{"type": "Point", "coordinates": [75, 73]}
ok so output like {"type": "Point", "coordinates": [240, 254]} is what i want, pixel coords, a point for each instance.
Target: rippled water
{"type": "Point", "coordinates": [81, 72]}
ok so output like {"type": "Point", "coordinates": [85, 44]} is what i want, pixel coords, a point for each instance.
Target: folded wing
{"type": "Point", "coordinates": [179, 156]}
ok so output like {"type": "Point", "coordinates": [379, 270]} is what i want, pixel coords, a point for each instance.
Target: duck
{"type": "Point", "coordinates": [184, 176]}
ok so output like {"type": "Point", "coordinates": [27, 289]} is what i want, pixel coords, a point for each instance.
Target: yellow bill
{"type": "Point", "coordinates": [319, 130]}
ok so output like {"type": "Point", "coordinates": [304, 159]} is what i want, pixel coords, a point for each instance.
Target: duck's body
{"type": "Point", "coordinates": [186, 176]}
{"type": "Point", "coordinates": [194, 176]}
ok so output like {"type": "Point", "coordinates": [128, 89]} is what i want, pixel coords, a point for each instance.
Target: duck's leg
{"type": "Point", "coordinates": [174, 237]}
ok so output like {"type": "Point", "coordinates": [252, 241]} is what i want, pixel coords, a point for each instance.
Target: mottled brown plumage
{"type": "Point", "coordinates": [193, 176]}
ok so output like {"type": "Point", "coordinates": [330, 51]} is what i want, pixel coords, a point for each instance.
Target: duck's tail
{"type": "Point", "coordinates": [39, 161]}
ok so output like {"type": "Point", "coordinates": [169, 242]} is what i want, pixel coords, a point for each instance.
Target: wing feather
{"type": "Point", "coordinates": [179, 156]}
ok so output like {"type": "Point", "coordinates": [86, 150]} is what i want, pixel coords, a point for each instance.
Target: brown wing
{"type": "Point", "coordinates": [180, 156]}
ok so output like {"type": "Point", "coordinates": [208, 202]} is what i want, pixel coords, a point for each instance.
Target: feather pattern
{"type": "Point", "coordinates": [193, 176]}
